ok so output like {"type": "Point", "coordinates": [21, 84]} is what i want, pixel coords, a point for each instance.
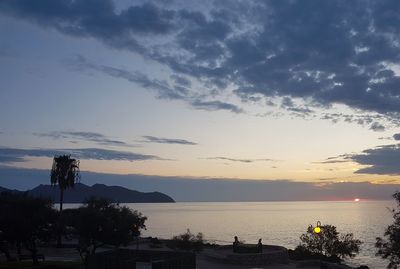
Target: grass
{"type": "Point", "coordinates": [41, 265]}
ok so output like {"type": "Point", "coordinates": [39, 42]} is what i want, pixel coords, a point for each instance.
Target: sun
{"type": "Point", "coordinates": [356, 199]}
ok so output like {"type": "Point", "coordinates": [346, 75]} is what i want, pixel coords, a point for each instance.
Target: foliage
{"type": "Point", "coordinates": [25, 220]}
{"type": "Point", "coordinates": [64, 173]}
{"type": "Point", "coordinates": [302, 253]}
{"type": "Point", "coordinates": [187, 241]}
{"type": "Point", "coordinates": [42, 265]}
{"type": "Point", "coordinates": [328, 243]}
{"type": "Point", "coordinates": [389, 247]}
{"type": "Point", "coordinates": [99, 222]}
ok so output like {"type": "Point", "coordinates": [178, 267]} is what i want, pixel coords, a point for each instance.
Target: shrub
{"type": "Point", "coordinates": [328, 244]}
{"type": "Point", "coordinates": [187, 241]}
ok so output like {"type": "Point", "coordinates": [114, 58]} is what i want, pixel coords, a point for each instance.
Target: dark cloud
{"type": "Point", "coordinates": [330, 179]}
{"type": "Point", "coordinates": [332, 161]}
{"type": "Point", "coordinates": [178, 91]}
{"type": "Point", "coordinates": [161, 140]}
{"type": "Point", "coordinates": [324, 52]}
{"type": "Point", "coordinates": [376, 122]}
{"type": "Point", "coordinates": [296, 110]}
{"type": "Point", "coordinates": [88, 136]}
{"type": "Point", "coordinates": [396, 137]}
{"type": "Point", "coordinates": [382, 160]}
{"type": "Point", "coordinates": [8, 155]}
{"type": "Point", "coordinates": [161, 87]}
{"type": "Point", "coordinates": [216, 105]}
{"type": "Point", "coordinates": [377, 127]}
{"type": "Point", "coordinates": [96, 19]}
{"type": "Point", "coordinates": [216, 190]}
{"type": "Point", "coordinates": [240, 160]}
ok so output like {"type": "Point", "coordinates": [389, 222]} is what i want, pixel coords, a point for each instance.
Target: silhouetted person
{"type": "Point", "coordinates": [259, 246]}
{"type": "Point", "coordinates": [235, 244]}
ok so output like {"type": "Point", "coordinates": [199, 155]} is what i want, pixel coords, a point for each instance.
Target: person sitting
{"type": "Point", "coordinates": [259, 246]}
{"type": "Point", "coordinates": [235, 244]}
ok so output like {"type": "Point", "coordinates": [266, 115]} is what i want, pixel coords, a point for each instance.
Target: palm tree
{"type": "Point", "coordinates": [64, 173]}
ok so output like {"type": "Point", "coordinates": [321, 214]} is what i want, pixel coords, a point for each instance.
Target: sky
{"type": "Point", "coordinates": [256, 92]}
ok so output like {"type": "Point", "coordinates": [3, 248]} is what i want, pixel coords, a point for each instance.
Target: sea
{"type": "Point", "coordinates": [277, 223]}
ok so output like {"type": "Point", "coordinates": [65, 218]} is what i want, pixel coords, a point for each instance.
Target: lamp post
{"type": "Point", "coordinates": [317, 229]}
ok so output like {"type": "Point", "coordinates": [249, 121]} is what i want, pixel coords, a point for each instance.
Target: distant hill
{"type": "Point", "coordinates": [8, 190]}
{"type": "Point", "coordinates": [4, 189]}
{"type": "Point", "coordinates": [81, 192]}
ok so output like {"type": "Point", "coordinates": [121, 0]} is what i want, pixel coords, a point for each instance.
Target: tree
{"type": "Point", "coordinates": [328, 243]}
{"type": "Point", "coordinates": [64, 173]}
{"type": "Point", "coordinates": [25, 220]}
{"type": "Point", "coordinates": [99, 222]}
{"type": "Point", "coordinates": [389, 247]}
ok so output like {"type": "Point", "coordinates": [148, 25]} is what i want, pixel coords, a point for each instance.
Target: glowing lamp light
{"type": "Point", "coordinates": [317, 229]}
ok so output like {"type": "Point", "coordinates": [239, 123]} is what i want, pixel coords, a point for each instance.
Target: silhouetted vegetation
{"type": "Point", "coordinates": [27, 221]}
{"type": "Point", "coordinates": [64, 173]}
{"type": "Point", "coordinates": [24, 222]}
{"type": "Point", "coordinates": [43, 265]}
{"type": "Point", "coordinates": [187, 241]}
{"type": "Point", "coordinates": [100, 222]}
{"type": "Point", "coordinates": [326, 245]}
{"type": "Point", "coordinates": [389, 246]}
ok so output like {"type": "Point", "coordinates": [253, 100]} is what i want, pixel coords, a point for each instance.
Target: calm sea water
{"type": "Point", "coordinates": [278, 223]}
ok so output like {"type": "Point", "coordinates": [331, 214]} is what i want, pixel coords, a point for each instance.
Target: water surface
{"type": "Point", "coordinates": [279, 223]}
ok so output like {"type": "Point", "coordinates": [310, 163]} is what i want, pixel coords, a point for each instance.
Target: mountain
{"type": "Point", "coordinates": [8, 190]}
{"type": "Point", "coordinates": [115, 193]}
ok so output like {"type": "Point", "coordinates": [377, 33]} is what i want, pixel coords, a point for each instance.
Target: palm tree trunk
{"type": "Point", "coordinates": [59, 230]}
{"type": "Point", "coordinates": [61, 200]}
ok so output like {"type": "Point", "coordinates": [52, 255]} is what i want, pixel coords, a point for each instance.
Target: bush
{"type": "Point", "coordinates": [389, 247]}
{"type": "Point", "coordinates": [187, 241]}
{"type": "Point", "coordinates": [327, 244]}
{"type": "Point", "coordinates": [302, 253]}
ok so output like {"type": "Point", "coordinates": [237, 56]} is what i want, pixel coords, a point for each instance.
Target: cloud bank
{"type": "Point", "coordinates": [161, 140]}
{"type": "Point", "coordinates": [382, 160]}
{"type": "Point", "coordinates": [216, 190]}
{"type": "Point", "coordinates": [9, 155]}
{"type": "Point", "coordinates": [324, 52]}
{"type": "Point", "coordinates": [88, 136]}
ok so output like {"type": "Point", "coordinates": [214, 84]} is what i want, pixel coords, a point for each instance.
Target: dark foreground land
{"type": "Point", "coordinates": [68, 258]}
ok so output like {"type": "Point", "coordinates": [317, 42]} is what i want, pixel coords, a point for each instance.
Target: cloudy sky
{"type": "Point", "coordinates": [299, 91]}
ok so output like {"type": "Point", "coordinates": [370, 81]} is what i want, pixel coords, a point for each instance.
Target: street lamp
{"type": "Point", "coordinates": [317, 229]}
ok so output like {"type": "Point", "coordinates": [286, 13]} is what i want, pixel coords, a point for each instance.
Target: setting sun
{"type": "Point", "coordinates": [357, 200]}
